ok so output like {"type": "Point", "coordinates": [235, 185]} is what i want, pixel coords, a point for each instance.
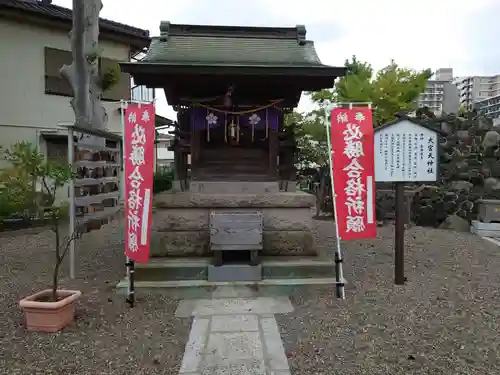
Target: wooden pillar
{"type": "Point", "coordinates": [273, 153]}
{"type": "Point", "coordinates": [195, 150]}
{"type": "Point", "coordinates": [177, 163]}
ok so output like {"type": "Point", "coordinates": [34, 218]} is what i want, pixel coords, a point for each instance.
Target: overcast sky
{"type": "Point", "coordinates": [418, 34]}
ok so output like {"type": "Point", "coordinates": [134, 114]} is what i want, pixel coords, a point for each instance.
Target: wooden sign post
{"type": "Point", "coordinates": [406, 150]}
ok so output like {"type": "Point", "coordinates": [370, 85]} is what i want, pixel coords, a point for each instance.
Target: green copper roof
{"type": "Point", "coordinates": [232, 45]}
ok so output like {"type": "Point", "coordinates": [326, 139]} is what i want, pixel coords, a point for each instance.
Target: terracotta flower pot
{"type": "Point", "coordinates": [45, 316]}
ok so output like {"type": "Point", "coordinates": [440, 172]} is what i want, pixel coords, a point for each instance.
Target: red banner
{"type": "Point", "coordinates": [139, 163]}
{"type": "Point", "coordinates": [353, 170]}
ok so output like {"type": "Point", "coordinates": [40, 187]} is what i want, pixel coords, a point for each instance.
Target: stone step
{"type": "Point", "coordinates": [233, 168]}
{"type": "Point", "coordinates": [233, 150]}
{"type": "Point", "coordinates": [178, 269]}
{"type": "Point", "coordinates": [232, 162]}
{"type": "Point", "coordinates": [233, 177]}
{"type": "Point", "coordinates": [237, 187]}
{"type": "Point", "coordinates": [198, 289]}
{"type": "Point", "coordinates": [233, 155]}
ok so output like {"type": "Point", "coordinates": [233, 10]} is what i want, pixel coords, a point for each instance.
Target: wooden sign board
{"type": "Point", "coordinates": [406, 151]}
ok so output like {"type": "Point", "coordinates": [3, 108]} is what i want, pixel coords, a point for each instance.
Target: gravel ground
{"type": "Point", "coordinates": [446, 319]}
{"type": "Point", "coordinates": [107, 338]}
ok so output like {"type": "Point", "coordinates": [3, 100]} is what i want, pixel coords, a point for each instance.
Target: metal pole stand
{"type": "Point", "coordinates": [130, 278]}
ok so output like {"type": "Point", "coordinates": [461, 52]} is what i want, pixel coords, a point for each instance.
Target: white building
{"type": "Point", "coordinates": [489, 107]}
{"type": "Point", "coordinates": [478, 88]}
{"type": "Point", "coordinates": [36, 99]}
{"type": "Point", "coordinates": [441, 94]}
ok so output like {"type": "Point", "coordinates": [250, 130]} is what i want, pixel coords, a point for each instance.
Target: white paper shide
{"type": "Point", "coordinates": [406, 152]}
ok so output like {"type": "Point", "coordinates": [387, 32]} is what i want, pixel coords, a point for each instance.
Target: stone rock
{"type": "Point", "coordinates": [491, 139]}
{"type": "Point", "coordinates": [463, 135]}
{"type": "Point", "coordinates": [456, 223]}
{"type": "Point", "coordinates": [447, 128]}
{"type": "Point", "coordinates": [461, 186]}
{"type": "Point", "coordinates": [491, 183]}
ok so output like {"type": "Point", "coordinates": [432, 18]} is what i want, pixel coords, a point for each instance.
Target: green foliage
{"type": "Point", "coordinates": [110, 78]}
{"type": "Point", "coordinates": [162, 181]}
{"type": "Point", "coordinates": [30, 164]}
{"type": "Point", "coordinates": [17, 194]}
{"type": "Point", "coordinates": [310, 134]}
{"type": "Point", "coordinates": [391, 90]}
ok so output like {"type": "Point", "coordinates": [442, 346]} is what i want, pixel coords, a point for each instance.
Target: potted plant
{"type": "Point", "coordinates": [52, 309]}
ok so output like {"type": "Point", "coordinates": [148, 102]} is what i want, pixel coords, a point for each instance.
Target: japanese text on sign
{"type": "Point", "coordinates": [139, 161]}
{"type": "Point", "coordinates": [352, 156]}
{"type": "Point", "coordinates": [412, 153]}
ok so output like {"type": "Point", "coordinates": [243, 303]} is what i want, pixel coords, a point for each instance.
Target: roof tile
{"type": "Point", "coordinates": [65, 14]}
{"type": "Point", "coordinates": [232, 51]}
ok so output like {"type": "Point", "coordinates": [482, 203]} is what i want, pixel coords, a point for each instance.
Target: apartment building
{"type": "Point", "coordinates": [478, 89]}
{"type": "Point", "coordinates": [441, 94]}
{"type": "Point", "coordinates": [489, 107]}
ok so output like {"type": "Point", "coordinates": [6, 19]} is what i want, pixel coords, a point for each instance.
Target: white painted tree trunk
{"type": "Point", "coordinates": [83, 73]}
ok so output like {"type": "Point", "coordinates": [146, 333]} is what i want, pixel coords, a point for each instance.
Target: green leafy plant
{"type": "Point", "coordinates": [17, 195]}
{"type": "Point", "coordinates": [162, 181]}
{"type": "Point", "coordinates": [110, 78]}
{"type": "Point", "coordinates": [27, 161]}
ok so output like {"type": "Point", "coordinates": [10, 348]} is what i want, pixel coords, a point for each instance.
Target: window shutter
{"type": "Point", "coordinates": [55, 84]}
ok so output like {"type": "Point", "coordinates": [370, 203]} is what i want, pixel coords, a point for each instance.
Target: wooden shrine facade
{"type": "Point", "coordinates": [231, 88]}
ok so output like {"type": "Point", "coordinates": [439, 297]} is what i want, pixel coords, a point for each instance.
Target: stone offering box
{"type": "Point", "coordinates": [235, 240]}
{"type": "Point", "coordinates": [489, 210]}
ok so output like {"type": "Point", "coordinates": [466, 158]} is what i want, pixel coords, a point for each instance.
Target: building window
{"type": "Point", "coordinates": [55, 84]}
{"type": "Point", "coordinates": [142, 93]}
{"type": "Point", "coordinates": [57, 149]}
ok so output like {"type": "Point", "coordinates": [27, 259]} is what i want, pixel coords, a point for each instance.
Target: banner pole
{"type": "Point", "coordinates": [129, 263]}
{"type": "Point", "coordinates": [339, 273]}
{"type": "Point", "coordinates": [72, 207]}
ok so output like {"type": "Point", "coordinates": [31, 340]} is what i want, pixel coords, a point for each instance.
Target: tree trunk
{"type": "Point", "coordinates": [83, 73]}
{"type": "Point", "coordinates": [55, 276]}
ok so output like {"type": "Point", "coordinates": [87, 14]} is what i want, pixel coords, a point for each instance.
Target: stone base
{"type": "Point", "coordinates": [485, 229]}
{"type": "Point", "coordinates": [188, 278]}
{"type": "Point", "coordinates": [235, 272]}
{"type": "Point", "coordinates": [289, 186]}
{"type": "Point", "coordinates": [181, 222]}
{"type": "Point", "coordinates": [196, 243]}
{"type": "Point", "coordinates": [233, 187]}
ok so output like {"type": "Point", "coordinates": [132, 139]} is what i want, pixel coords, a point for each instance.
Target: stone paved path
{"type": "Point", "coordinates": [234, 333]}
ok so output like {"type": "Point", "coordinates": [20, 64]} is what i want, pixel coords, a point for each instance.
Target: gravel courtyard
{"type": "Point", "coordinates": [444, 321]}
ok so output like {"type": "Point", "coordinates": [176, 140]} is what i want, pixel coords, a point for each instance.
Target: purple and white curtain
{"type": "Point", "coordinates": [206, 119]}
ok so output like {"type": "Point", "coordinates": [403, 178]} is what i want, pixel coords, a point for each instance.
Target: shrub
{"type": "Point", "coordinates": [162, 181]}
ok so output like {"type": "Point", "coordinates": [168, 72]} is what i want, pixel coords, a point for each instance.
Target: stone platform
{"type": "Point", "coordinates": [181, 221]}
{"type": "Point", "coordinates": [485, 229]}
{"type": "Point", "coordinates": [188, 278]}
